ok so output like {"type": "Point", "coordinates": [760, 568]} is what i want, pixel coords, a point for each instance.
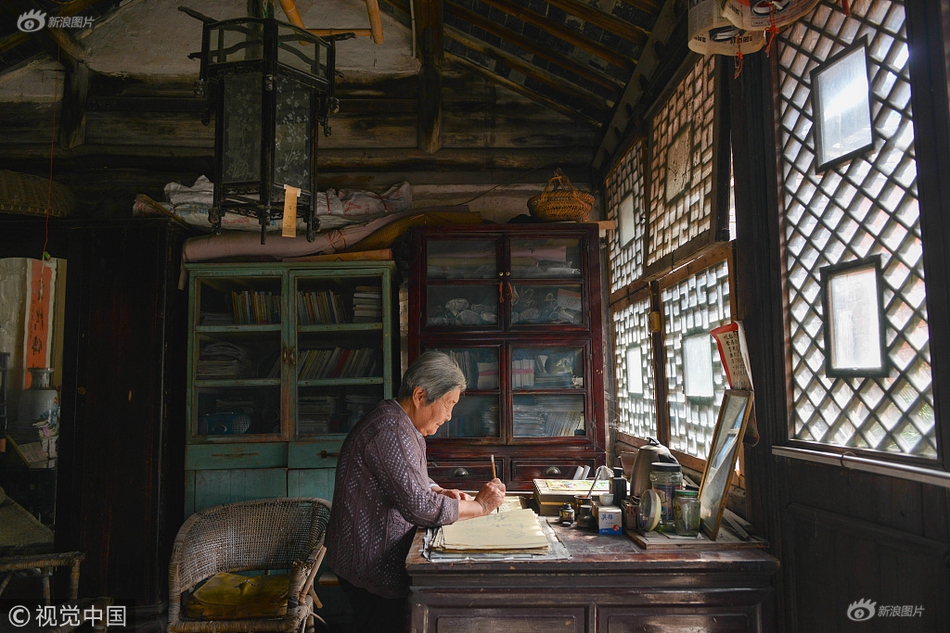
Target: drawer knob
{"type": "Point", "coordinates": [459, 473]}
{"type": "Point", "coordinates": [552, 471]}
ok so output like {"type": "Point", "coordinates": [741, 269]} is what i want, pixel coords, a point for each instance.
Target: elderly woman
{"type": "Point", "coordinates": [383, 491]}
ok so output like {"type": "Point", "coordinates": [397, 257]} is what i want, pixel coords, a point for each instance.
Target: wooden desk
{"type": "Point", "coordinates": [609, 585]}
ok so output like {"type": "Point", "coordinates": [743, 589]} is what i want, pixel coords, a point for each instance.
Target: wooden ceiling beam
{"type": "Point", "coordinates": [532, 48]}
{"type": "Point", "coordinates": [609, 23]}
{"type": "Point", "coordinates": [592, 102]}
{"type": "Point", "coordinates": [428, 37]}
{"type": "Point", "coordinates": [569, 35]}
{"type": "Point", "coordinates": [648, 6]}
{"type": "Point", "coordinates": [516, 87]}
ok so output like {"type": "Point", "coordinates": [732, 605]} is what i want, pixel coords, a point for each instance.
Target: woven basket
{"type": "Point", "coordinates": [560, 201]}
{"type": "Point", "coordinates": [28, 195]}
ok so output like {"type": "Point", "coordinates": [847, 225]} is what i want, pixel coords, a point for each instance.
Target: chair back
{"type": "Point", "coordinates": [262, 534]}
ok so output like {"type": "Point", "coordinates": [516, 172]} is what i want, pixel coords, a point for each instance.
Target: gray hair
{"type": "Point", "coordinates": [436, 373]}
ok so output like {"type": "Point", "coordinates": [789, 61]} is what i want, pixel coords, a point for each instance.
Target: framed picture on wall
{"type": "Point", "coordinates": [853, 318]}
{"type": "Point", "coordinates": [841, 98]}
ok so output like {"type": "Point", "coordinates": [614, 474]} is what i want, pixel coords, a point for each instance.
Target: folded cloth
{"type": "Point", "coordinates": [245, 244]}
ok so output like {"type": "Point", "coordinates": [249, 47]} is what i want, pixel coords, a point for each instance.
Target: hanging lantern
{"type": "Point", "coordinates": [268, 84]}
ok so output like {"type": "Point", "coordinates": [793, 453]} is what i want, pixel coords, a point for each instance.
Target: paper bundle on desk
{"type": "Point", "coordinates": [517, 531]}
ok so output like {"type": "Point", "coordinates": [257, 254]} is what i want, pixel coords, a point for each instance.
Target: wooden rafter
{"type": "Point", "coordinates": [597, 105]}
{"type": "Point", "coordinates": [562, 32]}
{"type": "Point", "coordinates": [516, 87]}
{"type": "Point", "coordinates": [609, 23]}
{"type": "Point", "coordinates": [531, 47]}
{"type": "Point", "coordinates": [649, 6]}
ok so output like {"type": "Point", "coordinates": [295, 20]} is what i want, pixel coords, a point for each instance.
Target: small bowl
{"type": "Point", "coordinates": [606, 499]}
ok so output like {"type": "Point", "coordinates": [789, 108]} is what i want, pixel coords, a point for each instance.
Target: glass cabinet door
{"type": "Point", "coordinates": [546, 258]}
{"type": "Point", "coordinates": [471, 303]}
{"type": "Point", "coordinates": [339, 361]}
{"type": "Point", "coordinates": [546, 286]}
{"type": "Point", "coordinates": [477, 414]}
{"type": "Point", "coordinates": [547, 374]}
{"type": "Point", "coordinates": [236, 357]}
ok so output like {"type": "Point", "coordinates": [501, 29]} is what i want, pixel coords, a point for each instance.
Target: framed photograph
{"type": "Point", "coordinates": [734, 414]}
{"type": "Point", "coordinates": [698, 366]}
{"type": "Point", "coordinates": [853, 317]}
{"type": "Point", "coordinates": [678, 161]}
{"type": "Point", "coordinates": [841, 97]}
{"type": "Point", "coordinates": [628, 220]}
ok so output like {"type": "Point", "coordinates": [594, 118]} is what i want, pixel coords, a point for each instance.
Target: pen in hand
{"type": "Point", "coordinates": [494, 475]}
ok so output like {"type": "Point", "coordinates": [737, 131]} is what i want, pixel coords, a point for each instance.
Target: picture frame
{"type": "Point", "coordinates": [734, 415]}
{"type": "Point", "coordinates": [841, 100]}
{"type": "Point", "coordinates": [853, 319]}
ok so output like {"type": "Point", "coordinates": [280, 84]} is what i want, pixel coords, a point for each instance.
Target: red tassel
{"type": "Point", "coordinates": [772, 31]}
{"type": "Point", "coordinates": [738, 57]}
{"type": "Point", "coordinates": [846, 5]}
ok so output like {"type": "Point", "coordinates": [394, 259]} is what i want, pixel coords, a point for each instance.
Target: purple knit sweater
{"type": "Point", "coordinates": [382, 493]}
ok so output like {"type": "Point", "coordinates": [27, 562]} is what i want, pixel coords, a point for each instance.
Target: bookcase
{"type": "Point", "coordinates": [282, 360]}
{"type": "Point", "coordinates": [519, 308]}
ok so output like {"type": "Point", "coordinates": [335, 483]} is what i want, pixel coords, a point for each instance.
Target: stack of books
{"type": "Point", "coordinates": [367, 304]}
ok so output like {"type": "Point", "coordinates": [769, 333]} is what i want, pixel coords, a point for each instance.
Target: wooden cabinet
{"type": "Point", "coordinates": [519, 308]}
{"type": "Point", "coordinates": [608, 585]}
{"type": "Point", "coordinates": [282, 360]}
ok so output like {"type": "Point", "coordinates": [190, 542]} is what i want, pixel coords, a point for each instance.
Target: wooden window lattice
{"type": "Point", "coordinates": [636, 412]}
{"type": "Point", "coordinates": [695, 305]}
{"type": "Point", "coordinates": [683, 142]}
{"type": "Point", "coordinates": [866, 206]}
{"type": "Point", "coordinates": [628, 179]}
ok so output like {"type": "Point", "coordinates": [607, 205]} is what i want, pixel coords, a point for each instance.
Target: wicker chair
{"type": "Point", "coordinates": [282, 535]}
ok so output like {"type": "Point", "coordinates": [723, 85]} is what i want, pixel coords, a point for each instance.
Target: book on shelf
{"type": "Point", "coordinates": [255, 308]}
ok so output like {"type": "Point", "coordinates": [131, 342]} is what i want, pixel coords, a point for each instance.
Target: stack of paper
{"type": "Point", "coordinates": [516, 531]}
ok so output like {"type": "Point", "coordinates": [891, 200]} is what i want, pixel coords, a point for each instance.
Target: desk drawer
{"type": "Point", "coordinates": [464, 474]}
{"type": "Point", "coordinates": [524, 472]}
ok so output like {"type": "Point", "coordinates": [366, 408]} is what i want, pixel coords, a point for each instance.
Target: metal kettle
{"type": "Point", "coordinates": [650, 452]}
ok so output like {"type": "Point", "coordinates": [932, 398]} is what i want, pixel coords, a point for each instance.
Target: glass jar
{"type": "Point", "coordinates": [666, 478]}
{"type": "Point", "coordinates": [566, 514]}
{"type": "Point", "coordinates": [686, 512]}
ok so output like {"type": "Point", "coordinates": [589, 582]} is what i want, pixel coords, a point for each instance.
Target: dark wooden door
{"type": "Point", "coordinates": [121, 491]}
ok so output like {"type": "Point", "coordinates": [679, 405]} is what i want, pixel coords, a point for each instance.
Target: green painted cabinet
{"type": "Point", "coordinates": [282, 360]}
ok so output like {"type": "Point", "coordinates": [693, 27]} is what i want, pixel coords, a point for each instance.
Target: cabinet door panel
{"type": "Point", "coordinates": [311, 482]}
{"type": "Point", "coordinates": [714, 620]}
{"type": "Point", "coordinates": [508, 620]}
{"type": "Point", "coordinates": [214, 487]}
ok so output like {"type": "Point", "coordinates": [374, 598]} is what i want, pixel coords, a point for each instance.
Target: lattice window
{"type": "Point", "coordinates": [864, 207]}
{"type": "Point", "coordinates": [691, 308]}
{"type": "Point", "coordinates": [683, 135]}
{"type": "Point", "coordinates": [626, 204]}
{"type": "Point", "coordinates": [636, 384]}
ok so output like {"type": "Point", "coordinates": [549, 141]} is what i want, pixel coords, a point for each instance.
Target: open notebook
{"type": "Point", "coordinates": [510, 531]}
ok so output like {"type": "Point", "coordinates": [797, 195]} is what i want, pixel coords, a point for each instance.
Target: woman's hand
{"type": "Point", "coordinates": [488, 498]}
{"type": "Point", "coordinates": [452, 493]}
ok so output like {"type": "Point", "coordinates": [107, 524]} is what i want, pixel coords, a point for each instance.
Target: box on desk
{"type": "Point", "coordinates": [551, 494]}
{"type": "Point", "coordinates": [609, 520]}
